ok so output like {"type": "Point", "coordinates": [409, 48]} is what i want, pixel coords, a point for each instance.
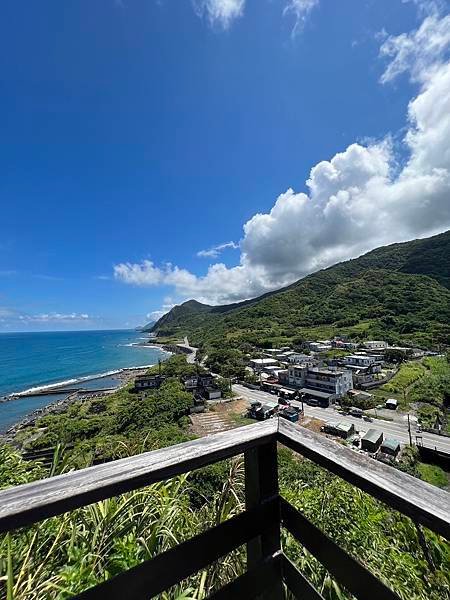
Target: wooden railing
{"type": "Point", "coordinates": [269, 572]}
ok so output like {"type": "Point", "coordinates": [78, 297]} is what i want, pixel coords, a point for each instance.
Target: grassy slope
{"type": "Point", "coordinates": [397, 292]}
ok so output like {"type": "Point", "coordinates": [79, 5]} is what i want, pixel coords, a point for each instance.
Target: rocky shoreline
{"type": "Point", "coordinates": [125, 376]}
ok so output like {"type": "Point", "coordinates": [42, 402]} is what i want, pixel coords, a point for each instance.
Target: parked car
{"type": "Point", "coordinates": [356, 412]}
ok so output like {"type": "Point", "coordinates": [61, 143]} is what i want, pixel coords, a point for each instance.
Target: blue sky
{"type": "Point", "coordinates": [137, 134]}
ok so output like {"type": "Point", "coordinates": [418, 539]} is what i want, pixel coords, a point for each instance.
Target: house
{"type": "Point", "coordinates": [272, 352]}
{"type": "Point", "coordinates": [343, 344]}
{"type": "Point", "coordinates": [391, 403]}
{"type": "Point", "coordinates": [341, 429]}
{"type": "Point", "coordinates": [206, 380]}
{"type": "Point", "coordinates": [297, 358]}
{"type": "Point", "coordinates": [331, 380]}
{"type": "Point", "coordinates": [211, 393]}
{"type": "Point", "coordinates": [258, 364]}
{"type": "Point", "coordinates": [390, 446]}
{"type": "Point", "coordinates": [148, 382]}
{"type": "Point", "coordinates": [319, 346]}
{"type": "Point", "coordinates": [372, 440]}
{"type": "Point", "coordinates": [270, 370]}
{"type": "Point", "coordinates": [375, 345]}
{"type": "Point", "coordinates": [190, 383]}
{"type": "Point", "coordinates": [359, 360]}
{"type": "Point", "coordinates": [202, 385]}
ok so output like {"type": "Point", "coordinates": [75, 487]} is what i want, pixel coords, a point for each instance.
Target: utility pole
{"type": "Point", "coordinates": [409, 431]}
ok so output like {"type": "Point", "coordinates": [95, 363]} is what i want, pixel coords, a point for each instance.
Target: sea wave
{"type": "Point", "coordinates": [76, 380]}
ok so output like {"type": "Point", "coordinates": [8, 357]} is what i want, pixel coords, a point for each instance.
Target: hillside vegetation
{"type": "Point", "coordinates": [398, 293]}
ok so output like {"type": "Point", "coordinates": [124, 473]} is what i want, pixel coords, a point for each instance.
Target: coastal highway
{"type": "Point", "coordinates": [396, 430]}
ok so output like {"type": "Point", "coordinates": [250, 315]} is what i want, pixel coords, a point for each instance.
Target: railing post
{"type": "Point", "coordinates": [261, 483]}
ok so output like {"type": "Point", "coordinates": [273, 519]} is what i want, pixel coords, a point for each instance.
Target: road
{"type": "Point", "coordinates": [191, 351]}
{"type": "Point", "coordinates": [390, 429]}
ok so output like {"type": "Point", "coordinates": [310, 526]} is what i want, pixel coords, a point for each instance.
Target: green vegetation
{"type": "Point", "coordinates": [381, 538]}
{"type": "Point", "coordinates": [433, 474]}
{"type": "Point", "coordinates": [109, 427]}
{"type": "Point", "coordinates": [67, 554]}
{"type": "Point", "coordinates": [407, 374]}
{"type": "Point", "coordinates": [397, 293]}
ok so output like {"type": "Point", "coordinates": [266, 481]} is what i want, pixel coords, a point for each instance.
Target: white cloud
{"type": "Point", "coordinates": [222, 13]}
{"type": "Point", "coordinates": [366, 196]}
{"type": "Point", "coordinates": [300, 9]}
{"type": "Point", "coordinates": [216, 250]}
{"type": "Point", "coordinates": [219, 12]}
{"type": "Point", "coordinates": [54, 317]}
{"type": "Point", "coordinates": [419, 51]}
{"type": "Point", "coordinates": [157, 314]}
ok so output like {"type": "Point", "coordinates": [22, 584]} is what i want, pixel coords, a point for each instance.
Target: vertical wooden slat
{"type": "Point", "coordinates": [261, 484]}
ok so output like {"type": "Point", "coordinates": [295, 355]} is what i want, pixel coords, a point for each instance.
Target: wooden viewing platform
{"type": "Point", "coordinates": [269, 572]}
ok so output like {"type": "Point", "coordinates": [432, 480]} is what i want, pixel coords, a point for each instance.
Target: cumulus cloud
{"type": "Point", "coordinates": [216, 250]}
{"type": "Point", "coordinates": [366, 196]}
{"type": "Point", "coordinates": [219, 12]}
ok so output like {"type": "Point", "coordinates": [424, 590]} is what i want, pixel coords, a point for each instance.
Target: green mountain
{"type": "Point", "coordinates": [399, 292]}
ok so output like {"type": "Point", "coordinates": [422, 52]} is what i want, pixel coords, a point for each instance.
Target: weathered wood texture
{"type": "Point", "coordinates": [29, 503]}
{"type": "Point", "coordinates": [346, 570]}
{"type": "Point", "coordinates": [296, 583]}
{"type": "Point", "coordinates": [424, 503]}
{"type": "Point", "coordinates": [169, 568]}
{"type": "Point", "coordinates": [261, 579]}
{"type": "Point", "coordinates": [261, 485]}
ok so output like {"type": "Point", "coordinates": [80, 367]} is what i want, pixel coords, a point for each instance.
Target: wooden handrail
{"type": "Point", "coordinates": [258, 526]}
{"type": "Point", "coordinates": [153, 576]}
{"type": "Point", "coordinates": [424, 503]}
{"type": "Point", "coordinates": [32, 502]}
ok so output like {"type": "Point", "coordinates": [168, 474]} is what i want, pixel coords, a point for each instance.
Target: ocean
{"type": "Point", "coordinates": [36, 360]}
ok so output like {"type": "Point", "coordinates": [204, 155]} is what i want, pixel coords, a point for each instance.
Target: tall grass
{"type": "Point", "coordinates": [62, 556]}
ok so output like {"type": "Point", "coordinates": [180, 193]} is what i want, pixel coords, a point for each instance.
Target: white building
{"type": "Point", "coordinates": [331, 382]}
{"type": "Point", "coordinates": [375, 345]}
{"type": "Point", "coordinates": [297, 359]}
{"type": "Point", "coordinates": [258, 364]}
{"type": "Point", "coordinates": [319, 346]}
{"type": "Point", "coordinates": [360, 360]}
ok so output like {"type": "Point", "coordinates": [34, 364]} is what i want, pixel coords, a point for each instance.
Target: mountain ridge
{"type": "Point", "coordinates": [415, 274]}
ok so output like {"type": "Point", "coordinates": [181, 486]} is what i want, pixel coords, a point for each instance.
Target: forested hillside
{"type": "Point", "coordinates": [398, 292]}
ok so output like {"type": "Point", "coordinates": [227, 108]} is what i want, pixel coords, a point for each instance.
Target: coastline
{"type": "Point", "coordinates": [52, 387]}
{"type": "Point", "coordinates": [125, 375]}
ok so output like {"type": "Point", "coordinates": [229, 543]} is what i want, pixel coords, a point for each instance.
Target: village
{"type": "Point", "coordinates": [330, 385]}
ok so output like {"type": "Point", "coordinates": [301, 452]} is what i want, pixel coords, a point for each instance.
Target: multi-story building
{"type": "Point", "coordinates": [327, 384]}
{"type": "Point", "coordinates": [297, 358]}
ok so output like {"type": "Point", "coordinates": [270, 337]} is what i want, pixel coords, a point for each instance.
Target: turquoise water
{"type": "Point", "coordinates": [30, 360]}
